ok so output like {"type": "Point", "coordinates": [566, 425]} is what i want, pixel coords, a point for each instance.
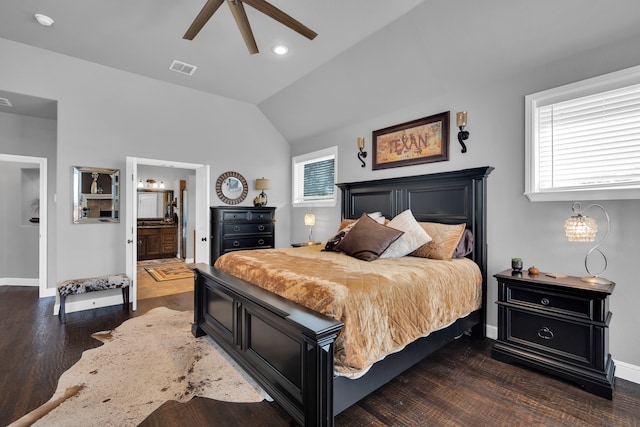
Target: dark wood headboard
{"type": "Point", "coordinates": [448, 197]}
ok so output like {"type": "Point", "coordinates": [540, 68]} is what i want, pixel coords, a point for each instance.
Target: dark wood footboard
{"type": "Point", "coordinates": [285, 347]}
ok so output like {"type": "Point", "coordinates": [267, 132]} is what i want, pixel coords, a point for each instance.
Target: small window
{"type": "Point", "coordinates": [583, 140]}
{"type": "Point", "coordinates": [314, 178]}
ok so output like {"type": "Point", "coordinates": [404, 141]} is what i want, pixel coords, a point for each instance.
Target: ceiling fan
{"type": "Point", "coordinates": [240, 16]}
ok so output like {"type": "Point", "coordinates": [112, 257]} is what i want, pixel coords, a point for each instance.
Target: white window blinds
{"type": "Point", "coordinates": [583, 140]}
{"type": "Point", "coordinates": [593, 141]}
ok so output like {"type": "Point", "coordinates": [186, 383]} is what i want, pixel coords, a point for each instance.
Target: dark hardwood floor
{"type": "Point", "coordinates": [459, 385]}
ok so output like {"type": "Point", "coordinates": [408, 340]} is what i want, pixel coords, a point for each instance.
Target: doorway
{"type": "Point", "coordinates": [200, 195]}
{"type": "Point", "coordinates": [25, 179]}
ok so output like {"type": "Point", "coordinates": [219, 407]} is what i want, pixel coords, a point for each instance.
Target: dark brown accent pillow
{"type": "Point", "coordinates": [367, 240]}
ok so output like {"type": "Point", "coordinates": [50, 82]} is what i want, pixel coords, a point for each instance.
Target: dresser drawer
{"type": "Point", "coordinates": [561, 339]}
{"type": "Point", "coordinates": [572, 305]}
{"type": "Point", "coordinates": [249, 242]}
{"type": "Point", "coordinates": [252, 228]}
{"type": "Point", "coordinates": [245, 215]}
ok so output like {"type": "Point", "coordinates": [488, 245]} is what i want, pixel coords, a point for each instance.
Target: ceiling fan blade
{"type": "Point", "coordinates": [207, 12]}
{"type": "Point", "coordinates": [239, 14]}
{"type": "Point", "coordinates": [275, 13]}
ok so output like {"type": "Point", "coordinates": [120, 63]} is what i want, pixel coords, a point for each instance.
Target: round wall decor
{"type": "Point", "coordinates": [231, 188]}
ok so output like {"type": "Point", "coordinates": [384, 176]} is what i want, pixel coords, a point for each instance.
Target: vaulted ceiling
{"type": "Point", "coordinates": [367, 52]}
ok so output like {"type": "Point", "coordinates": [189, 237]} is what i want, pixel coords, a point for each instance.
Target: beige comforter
{"type": "Point", "coordinates": [384, 304]}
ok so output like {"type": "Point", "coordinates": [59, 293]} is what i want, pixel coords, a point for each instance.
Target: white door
{"type": "Point", "coordinates": [202, 215]}
{"type": "Point", "coordinates": [131, 190]}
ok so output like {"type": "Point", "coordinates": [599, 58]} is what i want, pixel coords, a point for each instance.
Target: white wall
{"type": "Point", "coordinates": [105, 115]}
{"type": "Point", "coordinates": [516, 227]}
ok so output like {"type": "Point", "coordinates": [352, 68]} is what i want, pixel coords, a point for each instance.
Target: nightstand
{"type": "Point", "coordinates": [303, 244]}
{"type": "Point", "coordinates": [557, 325]}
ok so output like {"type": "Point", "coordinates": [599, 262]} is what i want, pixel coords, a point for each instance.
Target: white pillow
{"type": "Point", "coordinates": [414, 235]}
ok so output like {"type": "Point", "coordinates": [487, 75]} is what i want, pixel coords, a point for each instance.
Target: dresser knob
{"type": "Point", "coordinates": [261, 228]}
{"type": "Point", "coordinates": [236, 228]}
{"type": "Point", "coordinates": [261, 242]}
{"type": "Point", "coordinates": [545, 333]}
{"type": "Point", "coordinates": [544, 301]}
{"type": "Point", "coordinates": [236, 243]}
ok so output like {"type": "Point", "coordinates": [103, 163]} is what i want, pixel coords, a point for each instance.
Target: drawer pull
{"type": "Point", "coordinates": [261, 242]}
{"type": "Point", "coordinates": [544, 301]}
{"type": "Point", "coordinates": [236, 243]}
{"type": "Point", "coordinates": [261, 227]}
{"type": "Point", "coordinates": [545, 333]}
{"type": "Point", "coordinates": [236, 228]}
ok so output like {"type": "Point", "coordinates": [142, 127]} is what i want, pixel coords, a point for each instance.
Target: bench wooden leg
{"type": "Point", "coordinates": [61, 314]}
{"type": "Point", "coordinates": [125, 296]}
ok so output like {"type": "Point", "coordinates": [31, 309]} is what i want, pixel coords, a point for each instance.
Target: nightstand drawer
{"type": "Point", "coordinates": [570, 341]}
{"type": "Point", "coordinates": [246, 215]}
{"type": "Point", "coordinates": [571, 305]}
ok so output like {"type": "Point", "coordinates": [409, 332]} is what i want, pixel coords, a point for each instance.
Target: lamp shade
{"type": "Point", "coordinates": [580, 228]}
{"type": "Point", "coordinates": [309, 219]}
{"type": "Point", "coordinates": [263, 184]}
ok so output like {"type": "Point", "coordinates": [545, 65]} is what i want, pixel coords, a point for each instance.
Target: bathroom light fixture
{"type": "Point", "coordinates": [463, 135]}
{"type": "Point", "coordinates": [579, 228]}
{"type": "Point", "coordinates": [262, 184]}
{"type": "Point", "coordinates": [141, 184]}
{"type": "Point", "coordinates": [361, 154]}
{"type": "Point", "coordinates": [310, 221]}
{"type": "Point", "coordinates": [44, 20]}
{"type": "Point", "coordinates": [280, 49]}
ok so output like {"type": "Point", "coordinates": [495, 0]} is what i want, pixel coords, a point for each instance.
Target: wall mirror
{"type": "Point", "coordinates": [96, 195]}
{"type": "Point", "coordinates": [155, 205]}
{"type": "Point", "coordinates": [231, 188]}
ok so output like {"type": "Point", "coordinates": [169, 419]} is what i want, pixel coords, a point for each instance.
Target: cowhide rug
{"type": "Point", "coordinates": [143, 363]}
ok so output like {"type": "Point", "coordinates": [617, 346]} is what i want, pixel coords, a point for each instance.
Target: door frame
{"type": "Point", "coordinates": [41, 162]}
{"type": "Point", "coordinates": [202, 198]}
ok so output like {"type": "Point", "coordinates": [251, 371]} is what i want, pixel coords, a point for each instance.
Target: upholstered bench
{"type": "Point", "coordinates": [101, 283]}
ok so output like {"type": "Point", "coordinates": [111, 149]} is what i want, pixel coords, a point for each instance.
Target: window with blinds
{"type": "Point", "coordinates": [583, 140]}
{"type": "Point", "coordinates": [314, 178]}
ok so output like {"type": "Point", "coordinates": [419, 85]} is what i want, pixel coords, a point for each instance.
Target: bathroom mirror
{"type": "Point", "coordinates": [155, 204]}
{"type": "Point", "coordinates": [96, 195]}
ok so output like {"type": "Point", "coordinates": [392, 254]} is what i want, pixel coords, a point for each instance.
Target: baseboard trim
{"type": "Point", "coordinates": [625, 371]}
{"type": "Point", "coordinates": [15, 281]}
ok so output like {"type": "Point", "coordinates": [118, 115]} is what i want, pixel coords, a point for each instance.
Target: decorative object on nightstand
{"type": "Point", "coordinates": [558, 324]}
{"type": "Point", "coordinates": [361, 154]}
{"type": "Point", "coordinates": [262, 184]}
{"type": "Point", "coordinates": [463, 135]}
{"type": "Point", "coordinates": [579, 228]}
{"type": "Point", "coordinates": [516, 264]}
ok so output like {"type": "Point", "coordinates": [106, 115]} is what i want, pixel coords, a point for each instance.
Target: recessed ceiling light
{"type": "Point", "coordinates": [44, 20]}
{"type": "Point", "coordinates": [280, 49]}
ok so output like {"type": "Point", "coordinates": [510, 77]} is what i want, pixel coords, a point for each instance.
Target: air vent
{"type": "Point", "coordinates": [182, 67]}
{"type": "Point", "coordinates": [4, 102]}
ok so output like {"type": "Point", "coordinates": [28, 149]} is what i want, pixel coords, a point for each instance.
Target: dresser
{"type": "Point", "coordinates": [557, 325]}
{"type": "Point", "coordinates": [241, 227]}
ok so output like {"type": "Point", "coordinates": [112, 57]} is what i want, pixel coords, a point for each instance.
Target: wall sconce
{"type": "Point", "coordinates": [310, 221]}
{"type": "Point", "coordinates": [579, 228]}
{"type": "Point", "coordinates": [262, 184]}
{"type": "Point", "coordinates": [361, 154]}
{"type": "Point", "coordinates": [463, 135]}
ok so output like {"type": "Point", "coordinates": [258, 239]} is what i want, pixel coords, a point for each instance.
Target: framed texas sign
{"type": "Point", "coordinates": [419, 141]}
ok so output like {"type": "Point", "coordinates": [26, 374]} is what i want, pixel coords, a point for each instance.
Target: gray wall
{"type": "Point", "coordinates": [34, 137]}
{"type": "Point", "coordinates": [105, 115]}
{"type": "Point", "coordinates": [517, 227]}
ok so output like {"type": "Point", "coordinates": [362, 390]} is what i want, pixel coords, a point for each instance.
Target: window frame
{"type": "Point", "coordinates": [306, 158]}
{"type": "Point", "coordinates": [603, 83]}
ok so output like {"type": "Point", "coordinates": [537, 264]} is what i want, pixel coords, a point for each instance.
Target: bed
{"type": "Point", "coordinates": [289, 348]}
